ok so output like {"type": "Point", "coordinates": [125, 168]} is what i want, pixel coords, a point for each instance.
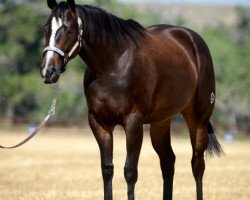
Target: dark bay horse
{"type": "Point", "coordinates": [136, 76]}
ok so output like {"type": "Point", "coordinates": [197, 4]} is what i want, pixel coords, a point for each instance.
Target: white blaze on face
{"type": "Point", "coordinates": [55, 25]}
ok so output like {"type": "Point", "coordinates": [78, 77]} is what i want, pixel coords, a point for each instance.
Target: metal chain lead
{"type": "Point", "coordinates": [42, 124]}
{"type": "Point", "coordinates": [53, 104]}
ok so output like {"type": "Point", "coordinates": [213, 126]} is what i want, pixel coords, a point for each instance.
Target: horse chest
{"type": "Point", "coordinates": [106, 102]}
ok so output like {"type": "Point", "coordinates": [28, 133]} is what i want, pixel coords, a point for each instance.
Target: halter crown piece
{"type": "Point", "coordinates": [77, 44]}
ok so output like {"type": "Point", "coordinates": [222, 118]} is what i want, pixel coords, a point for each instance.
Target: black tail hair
{"type": "Point", "coordinates": [213, 148]}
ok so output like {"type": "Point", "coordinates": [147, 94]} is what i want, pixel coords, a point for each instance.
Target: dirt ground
{"type": "Point", "coordinates": [64, 164]}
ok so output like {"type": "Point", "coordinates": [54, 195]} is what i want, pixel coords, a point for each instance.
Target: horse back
{"type": "Point", "coordinates": [187, 40]}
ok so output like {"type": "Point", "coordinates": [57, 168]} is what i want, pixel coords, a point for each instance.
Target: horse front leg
{"type": "Point", "coordinates": [161, 141]}
{"type": "Point", "coordinates": [104, 138]}
{"type": "Point", "coordinates": [134, 135]}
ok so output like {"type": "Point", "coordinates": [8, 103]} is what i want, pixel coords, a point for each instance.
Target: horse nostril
{"type": "Point", "coordinates": [52, 70]}
{"type": "Point", "coordinates": [49, 72]}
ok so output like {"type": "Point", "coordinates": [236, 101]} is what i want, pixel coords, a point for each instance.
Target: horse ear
{"type": "Point", "coordinates": [51, 3]}
{"type": "Point", "coordinates": [72, 4]}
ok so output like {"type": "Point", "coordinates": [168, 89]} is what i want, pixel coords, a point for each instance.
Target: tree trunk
{"type": "Point", "coordinates": [9, 114]}
{"type": "Point", "coordinates": [233, 121]}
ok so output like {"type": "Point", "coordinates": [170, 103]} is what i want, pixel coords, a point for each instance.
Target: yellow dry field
{"type": "Point", "coordinates": [64, 164]}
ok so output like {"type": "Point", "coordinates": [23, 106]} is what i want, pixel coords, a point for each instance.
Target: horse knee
{"type": "Point", "coordinates": [130, 174]}
{"type": "Point", "coordinates": [107, 172]}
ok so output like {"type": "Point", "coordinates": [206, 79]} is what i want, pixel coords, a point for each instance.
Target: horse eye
{"type": "Point", "coordinates": [68, 30]}
{"type": "Point", "coordinates": [63, 30]}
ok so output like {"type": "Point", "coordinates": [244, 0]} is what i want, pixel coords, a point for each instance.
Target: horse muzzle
{"type": "Point", "coordinates": [50, 75]}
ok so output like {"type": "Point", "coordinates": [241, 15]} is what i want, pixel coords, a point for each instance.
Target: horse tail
{"type": "Point", "coordinates": [213, 148]}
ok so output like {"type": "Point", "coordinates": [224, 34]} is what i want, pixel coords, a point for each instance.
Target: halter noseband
{"type": "Point", "coordinates": [77, 44]}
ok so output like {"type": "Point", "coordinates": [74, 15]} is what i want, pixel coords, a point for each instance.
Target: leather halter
{"type": "Point", "coordinates": [78, 43]}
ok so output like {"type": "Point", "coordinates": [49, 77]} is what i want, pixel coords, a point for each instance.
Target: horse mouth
{"type": "Point", "coordinates": [50, 80]}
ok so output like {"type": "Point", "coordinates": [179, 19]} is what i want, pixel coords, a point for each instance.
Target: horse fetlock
{"type": "Point", "coordinates": [130, 174]}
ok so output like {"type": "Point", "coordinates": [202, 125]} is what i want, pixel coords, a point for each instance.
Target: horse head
{"type": "Point", "coordinates": [63, 36]}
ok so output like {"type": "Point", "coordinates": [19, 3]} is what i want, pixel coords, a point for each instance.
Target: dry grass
{"type": "Point", "coordinates": [66, 166]}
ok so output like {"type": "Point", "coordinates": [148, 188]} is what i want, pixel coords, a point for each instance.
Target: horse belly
{"type": "Point", "coordinates": [172, 93]}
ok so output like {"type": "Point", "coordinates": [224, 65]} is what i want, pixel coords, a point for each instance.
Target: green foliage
{"type": "Point", "coordinates": [243, 24]}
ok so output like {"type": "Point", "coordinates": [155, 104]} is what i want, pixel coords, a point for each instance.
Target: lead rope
{"type": "Point", "coordinates": [43, 122]}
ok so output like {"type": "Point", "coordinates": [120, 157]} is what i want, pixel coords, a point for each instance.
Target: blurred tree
{"type": "Point", "coordinates": [20, 40]}
{"type": "Point", "coordinates": [243, 24]}
{"type": "Point", "coordinates": [103, 2]}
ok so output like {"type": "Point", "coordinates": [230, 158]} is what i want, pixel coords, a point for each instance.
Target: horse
{"type": "Point", "coordinates": [136, 76]}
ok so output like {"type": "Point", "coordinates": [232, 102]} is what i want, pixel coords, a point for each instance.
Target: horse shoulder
{"type": "Point", "coordinates": [108, 97]}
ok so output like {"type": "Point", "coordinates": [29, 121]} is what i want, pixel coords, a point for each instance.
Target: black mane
{"type": "Point", "coordinates": [107, 27]}
{"type": "Point", "coordinates": [102, 26]}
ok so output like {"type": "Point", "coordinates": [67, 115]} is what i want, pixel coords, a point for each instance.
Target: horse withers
{"type": "Point", "coordinates": [136, 76]}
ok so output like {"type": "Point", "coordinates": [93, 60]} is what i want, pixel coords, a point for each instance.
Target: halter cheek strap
{"type": "Point", "coordinates": [78, 42]}
{"type": "Point", "coordinates": [76, 45]}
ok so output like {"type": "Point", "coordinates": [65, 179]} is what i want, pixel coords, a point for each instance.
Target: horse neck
{"type": "Point", "coordinates": [100, 55]}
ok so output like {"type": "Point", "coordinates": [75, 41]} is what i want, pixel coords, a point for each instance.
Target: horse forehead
{"type": "Point", "coordinates": [56, 23]}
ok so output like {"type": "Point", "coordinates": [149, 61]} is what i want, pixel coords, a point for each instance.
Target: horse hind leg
{"type": "Point", "coordinates": [161, 141]}
{"type": "Point", "coordinates": [202, 139]}
{"type": "Point", "coordinates": [199, 141]}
